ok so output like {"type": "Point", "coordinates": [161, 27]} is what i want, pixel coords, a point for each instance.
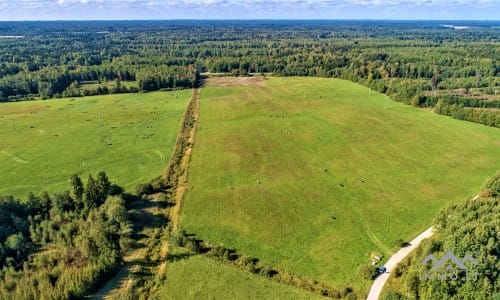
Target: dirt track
{"type": "Point", "coordinates": [184, 164]}
{"type": "Point", "coordinates": [118, 286]}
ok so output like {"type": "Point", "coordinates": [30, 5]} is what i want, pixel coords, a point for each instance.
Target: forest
{"type": "Point", "coordinates": [62, 246]}
{"type": "Point", "coordinates": [425, 64]}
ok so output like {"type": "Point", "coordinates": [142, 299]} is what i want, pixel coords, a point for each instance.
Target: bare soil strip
{"type": "Point", "coordinates": [235, 81]}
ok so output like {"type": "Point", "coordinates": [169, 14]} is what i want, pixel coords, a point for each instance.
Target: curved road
{"type": "Point", "coordinates": [379, 282]}
{"type": "Point", "coordinates": [391, 264]}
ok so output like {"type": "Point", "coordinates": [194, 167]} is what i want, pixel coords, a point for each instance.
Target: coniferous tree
{"type": "Point", "coordinates": [92, 193]}
{"type": "Point", "coordinates": [77, 190]}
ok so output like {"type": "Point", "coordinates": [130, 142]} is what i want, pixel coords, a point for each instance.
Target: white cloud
{"type": "Point", "coordinates": [145, 9]}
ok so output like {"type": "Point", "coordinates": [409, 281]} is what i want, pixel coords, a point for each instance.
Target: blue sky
{"type": "Point", "coordinates": [245, 9]}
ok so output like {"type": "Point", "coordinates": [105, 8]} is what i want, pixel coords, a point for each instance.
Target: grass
{"type": "Point", "coordinates": [312, 175]}
{"type": "Point", "coordinates": [129, 136]}
{"type": "Point", "coordinates": [198, 277]}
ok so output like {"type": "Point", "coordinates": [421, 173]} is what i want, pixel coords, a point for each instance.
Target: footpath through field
{"type": "Point", "coordinates": [149, 216]}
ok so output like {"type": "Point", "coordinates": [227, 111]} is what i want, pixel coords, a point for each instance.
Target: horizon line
{"type": "Point", "coordinates": [245, 19]}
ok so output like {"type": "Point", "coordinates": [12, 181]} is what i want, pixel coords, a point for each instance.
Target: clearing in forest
{"type": "Point", "coordinates": [312, 175]}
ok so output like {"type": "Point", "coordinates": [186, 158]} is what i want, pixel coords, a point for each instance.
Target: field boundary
{"type": "Point", "coordinates": [177, 170]}
{"type": "Point", "coordinates": [175, 177]}
{"type": "Point", "coordinates": [231, 258]}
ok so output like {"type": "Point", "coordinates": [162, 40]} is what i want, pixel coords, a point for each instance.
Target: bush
{"type": "Point", "coordinates": [179, 239]}
{"type": "Point", "coordinates": [492, 187]}
{"type": "Point", "coordinates": [217, 252]}
{"type": "Point", "coordinates": [392, 296]}
{"type": "Point", "coordinates": [367, 272]}
{"type": "Point", "coordinates": [115, 190]}
{"type": "Point", "coordinates": [252, 268]}
{"type": "Point", "coordinates": [158, 184]}
{"type": "Point", "coordinates": [400, 243]}
{"type": "Point", "coordinates": [398, 271]}
{"type": "Point", "coordinates": [267, 271]}
{"type": "Point", "coordinates": [222, 253]}
{"type": "Point", "coordinates": [193, 245]}
{"type": "Point", "coordinates": [247, 260]}
{"type": "Point", "coordinates": [144, 189]}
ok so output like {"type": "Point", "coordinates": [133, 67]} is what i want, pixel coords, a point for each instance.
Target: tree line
{"type": "Point", "coordinates": [413, 62]}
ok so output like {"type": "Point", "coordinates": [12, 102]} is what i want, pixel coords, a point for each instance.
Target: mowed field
{"type": "Point", "coordinates": [312, 175]}
{"type": "Point", "coordinates": [129, 136]}
{"type": "Point", "coordinates": [199, 277]}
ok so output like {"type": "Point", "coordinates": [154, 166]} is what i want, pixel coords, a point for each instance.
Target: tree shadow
{"type": "Point", "coordinates": [173, 257]}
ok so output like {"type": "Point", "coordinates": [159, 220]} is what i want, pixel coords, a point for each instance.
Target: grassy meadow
{"type": "Point", "coordinates": [129, 136]}
{"type": "Point", "coordinates": [198, 277]}
{"type": "Point", "coordinates": [313, 175]}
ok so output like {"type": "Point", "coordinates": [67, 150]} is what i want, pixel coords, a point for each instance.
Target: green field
{"type": "Point", "coordinates": [129, 136]}
{"type": "Point", "coordinates": [199, 277]}
{"type": "Point", "coordinates": [312, 175]}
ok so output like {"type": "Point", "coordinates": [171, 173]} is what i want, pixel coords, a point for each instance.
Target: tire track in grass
{"type": "Point", "coordinates": [363, 222]}
{"type": "Point", "coordinates": [370, 234]}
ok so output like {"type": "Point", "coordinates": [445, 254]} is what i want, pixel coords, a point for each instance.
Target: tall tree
{"type": "Point", "coordinates": [92, 193]}
{"type": "Point", "coordinates": [77, 190]}
{"type": "Point", "coordinates": [104, 185]}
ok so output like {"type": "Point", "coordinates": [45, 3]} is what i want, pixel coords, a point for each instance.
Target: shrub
{"type": "Point", "coordinates": [217, 252]}
{"type": "Point", "coordinates": [367, 272]}
{"type": "Point", "coordinates": [267, 271]}
{"type": "Point", "coordinates": [492, 187]}
{"type": "Point", "coordinates": [247, 260]}
{"type": "Point", "coordinates": [179, 239]}
{"type": "Point", "coordinates": [193, 245]}
{"type": "Point", "coordinates": [115, 190]}
{"type": "Point", "coordinates": [144, 189]}
{"type": "Point", "coordinates": [398, 271]}
{"type": "Point", "coordinates": [158, 184]}
{"type": "Point", "coordinates": [392, 296]}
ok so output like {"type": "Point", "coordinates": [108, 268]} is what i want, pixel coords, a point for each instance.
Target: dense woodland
{"type": "Point", "coordinates": [421, 63]}
{"type": "Point", "coordinates": [62, 246]}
